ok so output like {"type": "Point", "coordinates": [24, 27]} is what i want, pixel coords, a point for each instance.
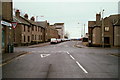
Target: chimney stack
{"type": "Point", "coordinates": [17, 13]}
{"type": "Point", "coordinates": [26, 16]}
{"type": "Point", "coordinates": [32, 18]}
{"type": "Point", "coordinates": [98, 18]}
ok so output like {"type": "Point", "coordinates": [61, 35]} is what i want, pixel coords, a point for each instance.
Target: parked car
{"type": "Point", "coordinates": [53, 40]}
{"type": "Point", "coordinates": [58, 40]}
{"type": "Point", "coordinates": [62, 40]}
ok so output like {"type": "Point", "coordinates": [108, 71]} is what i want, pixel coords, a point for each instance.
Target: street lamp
{"type": "Point", "coordinates": [81, 31]}
{"type": "Point", "coordinates": [84, 30]}
{"type": "Point", "coordinates": [102, 28]}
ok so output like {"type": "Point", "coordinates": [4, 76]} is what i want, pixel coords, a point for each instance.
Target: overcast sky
{"type": "Point", "coordinates": [73, 13]}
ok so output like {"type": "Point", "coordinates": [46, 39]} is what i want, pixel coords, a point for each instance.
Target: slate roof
{"type": "Point", "coordinates": [20, 20]}
{"type": "Point", "coordinates": [114, 18]}
{"type": "Point", "coordinates": [42, 24]}
{"type": "Point", "coordinates": [91, 23]}
{"type": "Point", "coordinates": [59, 24]}
{"type": "Point", "coordinates": [23, 20]}
{"type": "Point", "coordinates": [117, 23]}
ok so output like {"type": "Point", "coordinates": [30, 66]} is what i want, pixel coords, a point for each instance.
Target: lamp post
{"type": "Point", "coordinates": [81, 31]}
{"type": "Point", "coordinates": [84, 30]}
{"type": "Point", "coordinates": [36, 18]}
{"type": "Point", "coordinates": [102, 28]}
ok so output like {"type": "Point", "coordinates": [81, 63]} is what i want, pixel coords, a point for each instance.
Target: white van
{"type": "Point", "coordinates": [53, 40]}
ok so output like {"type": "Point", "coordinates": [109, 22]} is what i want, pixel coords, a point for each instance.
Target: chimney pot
{"type": "Point", "coordinates": [32, 18]}
{"type": "Point", "coordinates": [26, 16]}
{"type": "Point", "coordinates": [17, 13]}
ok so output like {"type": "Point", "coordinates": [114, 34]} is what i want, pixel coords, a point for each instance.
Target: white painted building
{"type": "Point", "coordinates": [60, 28]}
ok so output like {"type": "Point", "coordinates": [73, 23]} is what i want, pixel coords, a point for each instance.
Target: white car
{"type": "Point", "coordinates": [53, 40]}
{"type": "Point", "coordinates": [58, 40]}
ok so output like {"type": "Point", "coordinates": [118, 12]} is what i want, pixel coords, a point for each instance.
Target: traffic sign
{"type": "Point", "coordinates": [14, 24]}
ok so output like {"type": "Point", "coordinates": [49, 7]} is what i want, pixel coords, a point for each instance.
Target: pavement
{"type": "Point", "coordinates": [9, 56]}
{"type": "Point", "coordinates": [80, 45]}
{"type": "Point", "coordinates": [39, 45]}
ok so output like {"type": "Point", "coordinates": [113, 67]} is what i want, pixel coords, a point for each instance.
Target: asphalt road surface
{"type": "Point", "coordinates": [63, 60]}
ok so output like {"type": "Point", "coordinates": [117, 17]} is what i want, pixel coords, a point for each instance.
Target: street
{"type": "Point", "coordinates": [63, 60]}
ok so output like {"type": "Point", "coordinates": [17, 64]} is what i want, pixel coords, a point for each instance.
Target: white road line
{"type": "Point", "coordinates": [41, 56]}
{"type": "Point", "coordinates": [72, 57]}
{"type": "Point", "coordinates": [68, 53]}
{"type": "Point", "coordinates": [81, 67]}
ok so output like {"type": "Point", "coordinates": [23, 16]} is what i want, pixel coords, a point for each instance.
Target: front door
{"type": "Point", "coordinates": [107, 40]}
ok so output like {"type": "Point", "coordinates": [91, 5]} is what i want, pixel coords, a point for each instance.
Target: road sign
{"type": "Point", "coordinates": [14, 24]}
{"type": "Point", "coordinates": [5, 23]}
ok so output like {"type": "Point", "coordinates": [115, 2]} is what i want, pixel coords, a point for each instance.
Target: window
{"type": "Point", "coordinates": [36, 28]}
{"type": "Point", "coordinates": [28, 29]}
{"type": "Point", "coordinates": [32, 37]}
{"type": "Point", "coordinates": [32, 28]}
{"type": "Point", "coordinates": [28, 38]}
{"type": "Point", "coordinates": [107, 40]}
{"type": "Point", "coordinates": [39, 37]}
{"type": "Point", "coordinates": [35, 37]}
{"type": "Point", "coordinates": [24, 38]}
{"type": "Point", "coordinates": [24, 28]}
{"type": "Point", "coordinates": [106, 28]}
{"type": "Point", "coordinates": [41, 30]}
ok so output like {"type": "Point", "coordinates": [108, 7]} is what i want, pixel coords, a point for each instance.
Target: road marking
{"type": "Point", "coordinates": [72, 57]}
{"type": "Point", "coordinates": [81, 67]}
{"type": "Point", "coordinates": [44, 55]}
{"type": "Point", "coordinates": [77, 63]}
{"type": "Point", "coordinates": [68, 53]}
